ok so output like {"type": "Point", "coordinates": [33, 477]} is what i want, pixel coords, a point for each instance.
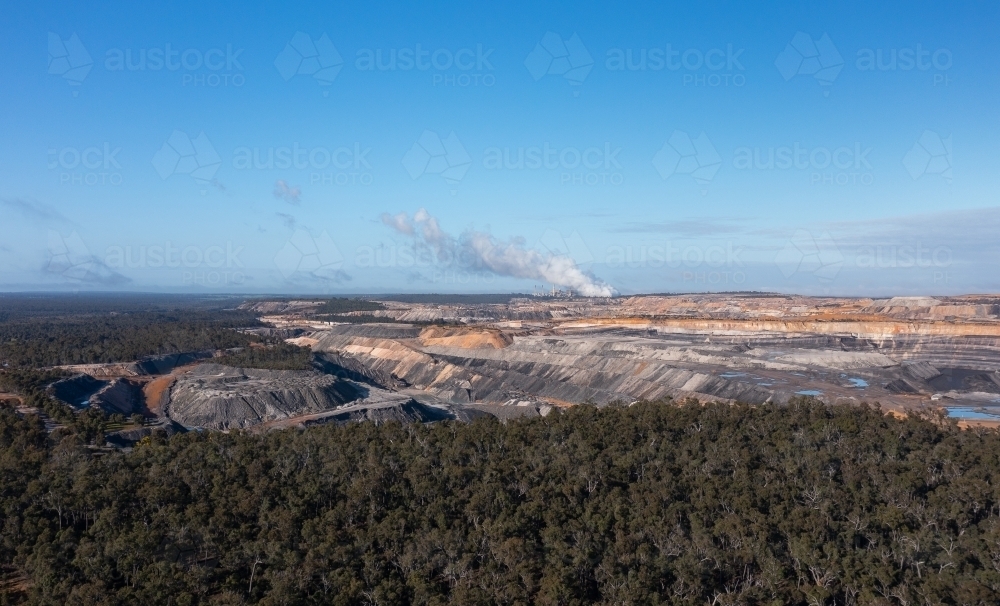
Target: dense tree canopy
{"type": "Point", "coordinates": [275, 356]}
{"type": "Point", "coordinates": [51, 330]}
{"type": "Point", "coordinates": [653, 503]}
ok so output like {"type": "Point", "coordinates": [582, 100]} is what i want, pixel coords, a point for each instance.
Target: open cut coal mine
{"type": "Point", "coordinates": [212, 396]}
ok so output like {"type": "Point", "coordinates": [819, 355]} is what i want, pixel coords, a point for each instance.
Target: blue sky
{"type": "Point", "coordinates": [843, 150]}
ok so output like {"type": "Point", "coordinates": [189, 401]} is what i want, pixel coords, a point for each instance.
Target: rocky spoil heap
{"type": "Point", "coordinates": [221, 397]}
{"type": "Point", "coordinates": [120, 396]}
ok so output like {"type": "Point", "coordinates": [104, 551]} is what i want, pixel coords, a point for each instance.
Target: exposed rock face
{"type": "Point", "coordinates": [727, 347]}
{"type": "Point", "coordinates": [117, 396]}
{"type": "Point", "coordinates": [120, 396]}
{"type": "Point", "coordinates": [561, 370]}
{"type": "Point", "coordinates": [514, 410]}
{"type": "Point", "coordinates": [903, 352]}
{"type": "Point", "coordinates": [154, 365]}
{"type": "Point", "coordinates": [76, 390]}
{"type": "Point", "coordinates": [158, 365]}
{"type": "Point", "coordinates": [406, 410]}
{"type": "Point", "coordinates": [465, 338]}
{"type": "Point", "coordinates": [985, 308]}
{"type": "Point", "coordinates": [220, 397]}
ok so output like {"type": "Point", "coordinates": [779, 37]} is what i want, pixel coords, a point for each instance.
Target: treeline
{"type": "Point", "coordinates": [648, 504]}
{"type": "Point", "coordinates": [342, 306]}
{"type": "Point", "coordinates": [28, 342]}
{"type": "Point", "coordinates": [454, 299]}
{"type": "Point", "coordinates": [335, 310]}
{"type": "Point", "coordinates": [277, 356]}
{"type": "Point", "coordinates": [30, 384]}
{"type": "Point", "coordinates": [15, 306]}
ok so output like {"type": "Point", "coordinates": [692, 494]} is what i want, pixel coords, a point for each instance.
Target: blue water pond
{"type": "Point", "coordinates": [974, 412]}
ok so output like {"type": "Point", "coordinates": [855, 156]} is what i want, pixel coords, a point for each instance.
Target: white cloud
{"type": "Point", "coordinates": [503, 258]}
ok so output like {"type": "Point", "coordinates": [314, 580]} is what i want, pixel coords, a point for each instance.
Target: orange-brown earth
{"type": "Point", "coordinates": [157, 391]}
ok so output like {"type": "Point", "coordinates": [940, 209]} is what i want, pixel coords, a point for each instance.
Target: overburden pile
{"type": "Point", "coordinates": [649, 504]}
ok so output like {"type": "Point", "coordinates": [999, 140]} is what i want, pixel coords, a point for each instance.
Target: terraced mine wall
{"type": "Point", "coordinates": [550, 369]}
{"type": "Point", "coordinates": [606, 361]}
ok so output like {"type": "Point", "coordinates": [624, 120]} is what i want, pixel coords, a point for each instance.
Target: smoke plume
{"type": "Point", "coordinates": [503, 258]}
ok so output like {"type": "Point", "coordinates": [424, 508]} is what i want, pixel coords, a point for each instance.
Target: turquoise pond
{"type": "Point", "coordinates": [859, 382]}
{"type": "Point", "coordinates": [810, 392]}
{"type": "Point", "coordinates": [974, 412]}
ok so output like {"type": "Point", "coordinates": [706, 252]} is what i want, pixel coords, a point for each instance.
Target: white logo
{"type": "Point", "coordinates": [432, 155]}
{"type": "Point", "coordinates": [69, 59]}
{"type": "Point", "coordinates": [930, 155]}
{"type": "Point", "coordinates": [182, 155]}
{"type": "Point", "coordinates": [572, 246]}
{"type": "Point", "coordinates": [316, 257]}
{"type": "Point", "coordinates": [553, 56]}
{"type": "Point", "coordinates": [804, 56]}
{"type": "Point", "coordinates": [70, 258]}
{"type": "Point", "coordinates": [806, 254]}
{"type": "Point", "coordinates": [683, 156]}
{"type": "Point", "coordinates": [302, 56]}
